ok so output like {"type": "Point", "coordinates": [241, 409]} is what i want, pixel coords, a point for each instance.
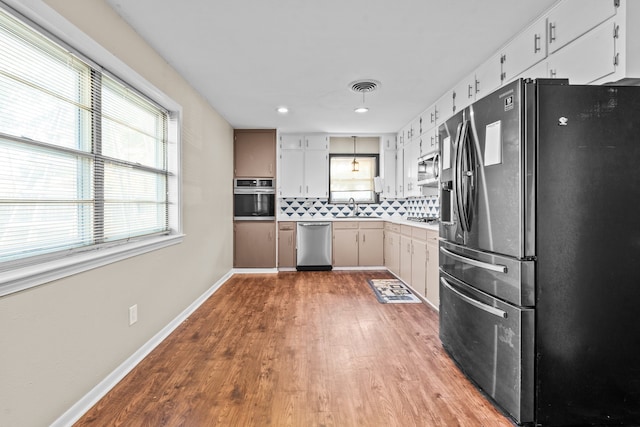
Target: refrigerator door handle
{"type": "Point", "coordinates": [482, 306]}
{"type": "Point", "coordinates": [487, 266]}
{"type": "Point", "coordinates": [467, 176]}
{"type": "Point", "coordinates": [457, 175]}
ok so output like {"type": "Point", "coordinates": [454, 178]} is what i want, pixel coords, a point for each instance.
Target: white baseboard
{"type": "Point", "coordinates": [74, 413]}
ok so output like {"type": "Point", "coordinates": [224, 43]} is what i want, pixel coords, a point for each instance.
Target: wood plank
{"type": "Point", "coordinates": [298, 349]}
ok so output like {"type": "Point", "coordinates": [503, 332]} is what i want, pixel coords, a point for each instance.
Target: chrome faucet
{"type": "Point", "coordinates": [353, 206]}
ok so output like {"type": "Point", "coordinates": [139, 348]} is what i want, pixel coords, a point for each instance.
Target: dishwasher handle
{"type": "Point", "coordinates": [313, 224]}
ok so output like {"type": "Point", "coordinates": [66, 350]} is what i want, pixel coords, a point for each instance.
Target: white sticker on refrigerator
{"type": "Point", "coordinates": [493, 144]}
{"type": "Point", "coordinates": [446, 153]}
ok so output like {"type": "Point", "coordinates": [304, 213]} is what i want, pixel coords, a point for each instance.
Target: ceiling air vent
{"type": "Point", "coordinates": [365, 85]}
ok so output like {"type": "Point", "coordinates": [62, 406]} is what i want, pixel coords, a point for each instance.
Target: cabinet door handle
{"type": "Point", "coordinates": [536, 43]}
{"type": "Point", "coordinates": [300, 191]}
{"type": "Point", "coordinates": [364, 237]}
{"type": "Point", "coordinates": [469, 89]}
{"type": "Point", "coordinates": [307, 188]}
{"type": "Point", "coordinates": [477, 85]}
{"type": "Point", "coordinates": [552, 32]}
{"type": "Point", "coordinates": [552, 73]}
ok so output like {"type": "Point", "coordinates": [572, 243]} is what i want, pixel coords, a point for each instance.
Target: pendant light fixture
{"type": "Point", "coordinates": [355, 166]}
{"type": "Point", "coordinates": [363, 108]}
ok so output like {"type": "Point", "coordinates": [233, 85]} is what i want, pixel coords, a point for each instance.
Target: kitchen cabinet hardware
{"type": "Point", "coordinates": [536, 43]}
{"type": "Point", "coordinates": [552, 32]}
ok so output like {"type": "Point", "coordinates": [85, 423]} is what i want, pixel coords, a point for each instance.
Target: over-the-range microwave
{"type": "Point", "coordinates": [429, 169]}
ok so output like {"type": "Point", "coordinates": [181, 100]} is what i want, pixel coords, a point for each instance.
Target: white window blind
{"type": "Point", "coordinates": [83, 157]}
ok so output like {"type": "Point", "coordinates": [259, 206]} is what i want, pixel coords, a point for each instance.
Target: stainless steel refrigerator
{"type": "Point", "coordinates": [540, 250]}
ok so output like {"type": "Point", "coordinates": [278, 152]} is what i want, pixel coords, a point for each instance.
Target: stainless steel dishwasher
{"type": "Point", "coordinates": [313, 244]}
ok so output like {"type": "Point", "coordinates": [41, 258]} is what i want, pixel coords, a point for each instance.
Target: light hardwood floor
{"type": "Point", "coordinates": [299, 349]}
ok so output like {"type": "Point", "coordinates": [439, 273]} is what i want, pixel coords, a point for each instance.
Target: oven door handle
{"type": "Point", "coordinates": [487, 266]}
{"type": "Point", "coordinates": [254, 190]}
{"type": "Point", "coordinates": [482, 306]}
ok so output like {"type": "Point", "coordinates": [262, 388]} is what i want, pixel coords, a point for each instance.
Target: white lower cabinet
{"type": "Point", "coordinates": [392, 247]}
{"type": "Point", "coordinates": [411, 253]}
{"type": "Point", "coordinates": [432, 273]}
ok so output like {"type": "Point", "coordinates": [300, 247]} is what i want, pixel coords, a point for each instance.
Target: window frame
{"type": "Point", "coordinates": [376, 196]}
{"type": "Point", "coordinates": [29, 272]}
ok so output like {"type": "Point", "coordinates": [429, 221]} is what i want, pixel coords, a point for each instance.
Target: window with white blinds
{"type": "Point", "coordinates": [83, 157]}
{"type": "Point", "coordinates": [345, 183]}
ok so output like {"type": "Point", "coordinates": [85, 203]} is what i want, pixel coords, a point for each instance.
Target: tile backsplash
{"type": "Point", "coordinates": [301, 208]}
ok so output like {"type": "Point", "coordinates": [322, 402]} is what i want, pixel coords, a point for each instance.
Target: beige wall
{"type": "Point", "coordinates": [58, 340]}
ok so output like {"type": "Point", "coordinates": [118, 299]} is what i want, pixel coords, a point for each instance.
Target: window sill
{"type": "Point", "coordinates": [23, 278]}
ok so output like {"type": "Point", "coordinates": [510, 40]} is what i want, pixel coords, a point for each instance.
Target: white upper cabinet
{"type": "Point", "coordinates": [389, 142]}
{"type": "Point", "coordinates": [388, 162]}
{"type": "Point", "coordinates": [572, 18]}
{"type": "Point", "coordinates": [316, 173]}
{"type": "Point", "coordinates": [291, 141]}
{"type": "Point", "coordinates": [316, 142]}
{"type": "Point", "coordinates": [410, 158]}
{"type": "Point", "coordinates": [538, 71]}
{"type": "Point", "coordinates": [400, 172]}
{"type": "Point", "coordinates": [463, 94]}
{"type": "Point", "coordinates": [488, 77]}
{"type": "Point", "coordinates": [587, 59]}
{"type": "Point", "coordinates": [444, 107]}
{"type": "Point", "coordinates": [304, 165]}
{"type": "Point", "coordinates": [291, 171]}
{"type": "Point", "coordinates": [524, 51]}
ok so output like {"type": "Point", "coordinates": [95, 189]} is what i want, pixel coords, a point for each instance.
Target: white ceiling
{"type": "Point", "coordinates": [247, 57]}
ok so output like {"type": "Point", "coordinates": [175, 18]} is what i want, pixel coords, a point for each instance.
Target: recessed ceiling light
{"type": "Point", "coordinates": [361, 110]}
{"type": "Point", "coordinates": [282, 110]}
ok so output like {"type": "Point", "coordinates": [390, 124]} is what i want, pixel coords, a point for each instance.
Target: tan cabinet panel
{"type": "Point", "coordinates": [286, 244]}
{"type": "Point", "coordinates": [254, 244]}
{"type": "Point", "coordinates": [370, 250]}
{"type": "Point", "coordinates": [345, 246]}
{"type": "Point", "coordinates": [255, 153]}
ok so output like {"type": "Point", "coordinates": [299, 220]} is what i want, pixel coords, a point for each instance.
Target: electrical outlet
{"type": "Point", "coordinates": [133, 314]}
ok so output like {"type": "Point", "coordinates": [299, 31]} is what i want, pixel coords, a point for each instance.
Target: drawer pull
{"type": "Point", "coordinates": [482, 306]}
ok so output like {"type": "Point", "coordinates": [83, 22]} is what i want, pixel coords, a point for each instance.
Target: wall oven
{"type": "Point", "coordinates": [254, 199]}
